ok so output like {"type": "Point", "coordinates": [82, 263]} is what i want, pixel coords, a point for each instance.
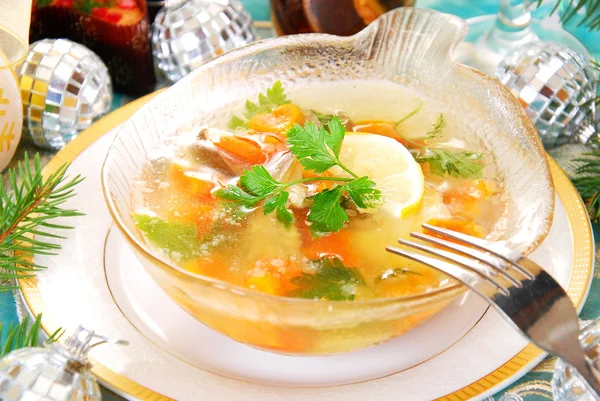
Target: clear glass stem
{"type": "Point", "coordinates": [512, 29]}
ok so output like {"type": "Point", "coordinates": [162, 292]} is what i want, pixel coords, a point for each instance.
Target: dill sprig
{"type": "Point", "coordinates": [28, 202]}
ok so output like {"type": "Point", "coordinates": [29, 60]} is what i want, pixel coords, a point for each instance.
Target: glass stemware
{"type": "Point", "coordinates": [491, 37]}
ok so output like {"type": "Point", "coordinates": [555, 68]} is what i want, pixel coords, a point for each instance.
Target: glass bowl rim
{"type": "Point", "coordinates": [283, 42]}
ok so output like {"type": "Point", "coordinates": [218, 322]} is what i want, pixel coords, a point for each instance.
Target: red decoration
{"type": "Point", "coordinates": [101, 26]}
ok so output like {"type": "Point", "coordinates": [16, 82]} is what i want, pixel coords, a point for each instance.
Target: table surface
{"type": "Point", "coordinates": [533, 386]}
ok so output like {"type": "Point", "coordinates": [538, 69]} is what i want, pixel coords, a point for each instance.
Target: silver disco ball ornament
{"type": "Point", "coordinates": [556, 86]}
{"type": "Point", "coordinates": [53, 373]}
{"type": "Point", "coordinates": [64, 88]}
{"type": "Point", "coordinates": [186, 34]}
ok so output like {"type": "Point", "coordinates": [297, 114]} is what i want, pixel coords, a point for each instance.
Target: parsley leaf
{"type": "Point", "coordinates": [362, 191]}
{"type": "Point", "coordinates": [310, 146]}
{"type": "Point", "coordinates": [177, 238]}
{"type": "Point", "coordinates": [454, 163]}
{"type": "Point", "coordinates": [332, 281]}
{"type": "Point", "coordinates": [278, 203]}
{"type": "Point", "coordinates": [316, 149]}
{"type": "Point", "coordinates": [337, 132]}
{"type": "Point", "coordinates": [238, 195]}
{"type": "Point", "coordinates": [258, 181]}
{"type": "Point", "coordinates": [237, 122]}
{"type": "Point", "coordinates": [275, 96]}
{"type": "Point", "coordinates": [326, 213]}
{"type": "Point", "coordinates": [436, 130]}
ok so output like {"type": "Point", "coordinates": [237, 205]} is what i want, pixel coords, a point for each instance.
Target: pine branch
{"type": "Point", "coordinates": [590, 16]}
{"type": "Point", "coordinates": [24, 335]}
{"type": "Point", "coordinates": [29, 201]}
{"type": "Point", "coordinates": [588, 182]}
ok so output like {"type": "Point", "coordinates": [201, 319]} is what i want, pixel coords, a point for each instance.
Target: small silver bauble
{"type": "Point", "coordinates": [52, 373]}
{"type": "Point", "coordinates": [556, 86]}
{"type": "Point", "coordinates": [186, 34]}
{"type": "Point", "coordinates": [64, 88]}
{"type": "Point", "coordinates": [567, 384]}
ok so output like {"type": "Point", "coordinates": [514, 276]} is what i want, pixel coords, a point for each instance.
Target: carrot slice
{"type": "Point", "coordinates": [273, 276]}
{"type": "Point", "coordinates": [464, 198]}
{"type": "Point", "coordinates": [279, 121]}
{"type": "Point", "coordinates": [384, 128]}
{"type": "Point", "coordinates": [336, 244]}
{"type": "Point", "coordinates": [241, 149]}
{"type": "Point", "coordinates": [462, 226]}
{"type": "Point", "coordinates": [188, 183]}
{"type": "Point", "coordinates": [321, 185]}
{"type": "Point", "coordinates": [212, 266]}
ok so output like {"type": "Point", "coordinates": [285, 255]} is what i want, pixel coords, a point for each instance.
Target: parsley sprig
{"type": "Point", "coordinates": [331, 280]}
{"type": "Point", "coordinates": [317, 149]}
{"type": "Point", "coordinates": [275, 96]}
{"type": "Point", "coordinates": [455, 163]}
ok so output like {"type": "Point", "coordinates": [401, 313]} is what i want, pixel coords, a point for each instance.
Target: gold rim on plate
{"type": "Point", "coordinates": [579, 280]}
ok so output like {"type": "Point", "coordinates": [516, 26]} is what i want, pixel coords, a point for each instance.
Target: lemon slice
{"type": "Point", "coordinates": [390, 165]}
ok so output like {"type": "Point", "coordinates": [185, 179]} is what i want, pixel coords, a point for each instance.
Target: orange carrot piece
{"type": "Point", "coordinates": [321, 185]}
{"type": "Point", "coordinates": [464, 198]}
{"type": "Point", "coordinates": [241, 149]}
{"type": "Point", "coordinates": [211, 266]}
{"type": "Point", "coordinates": [383, 128]}
{"type": "Point", "coordinates": [462, 226]}
{"type": "Point", "coordinates": [279, 121]}
{"type": "Point", "coordinates": [336, 244]}
{"type": "Point", "coordinates": [188, 183]}
{"type": "Point", "coordinates": [273, 276]}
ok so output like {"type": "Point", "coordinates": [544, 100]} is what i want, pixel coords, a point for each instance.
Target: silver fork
{"type": "Point", "coordinates": [524, 293]}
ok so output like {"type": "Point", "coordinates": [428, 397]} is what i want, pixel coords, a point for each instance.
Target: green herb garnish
{"type": "Point", "coordinates": [409, 115]}
{"type": "Point", "coordinates": [436, 130]}
{"type": "Point", "coordinates": [322, 117]}
{"type": "Point", "coordinates": [453, 162]}
{"type": "Point", "coordinates": [332, 281]}
{"type": "Point", "coordinates": [395, 273]}
{"type": "Point", "coordinates": [275, 96]}
{"type": "Point", "coordinates": [177, 238]}
{"type": "Point", "coordinates": [316, 149]}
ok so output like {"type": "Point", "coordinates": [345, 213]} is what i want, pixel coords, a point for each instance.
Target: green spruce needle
{"type": "Point", "coordinates": [588, 182]}
{"type": "Point", "coordinates": [24, 334]}
{"type": "Point", "coordinates": [29, 203]}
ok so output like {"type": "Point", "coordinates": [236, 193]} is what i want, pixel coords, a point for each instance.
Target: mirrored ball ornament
{"type": "Point", "coordinates": [556, 86]}
{"type": "Point", "coordinates": [64, 88]}
{"type": "Point", "coordinates": [186, 34]}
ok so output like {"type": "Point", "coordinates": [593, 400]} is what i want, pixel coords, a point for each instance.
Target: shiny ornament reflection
{"type": "Point", "coordinates": [186, 34]}
{"type": "Point", "coordinates": [64, 88]}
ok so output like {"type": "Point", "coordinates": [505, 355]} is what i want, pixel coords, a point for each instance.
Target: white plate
{"type": "Point", "coordinates": [97, 282]}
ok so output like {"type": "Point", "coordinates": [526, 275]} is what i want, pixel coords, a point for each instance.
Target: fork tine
{"type": "Point", "coordinates": [467, 277]}
{"type": "Point", "coordinates": [497, 264]}
{"type": "Point", "coordinates": [467, 263]}
{"type": "Point", "coordinates": [481, 244]}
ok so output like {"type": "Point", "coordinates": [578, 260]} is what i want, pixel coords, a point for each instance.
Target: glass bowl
{"type": "Point", "coordinates": [409, 46]}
